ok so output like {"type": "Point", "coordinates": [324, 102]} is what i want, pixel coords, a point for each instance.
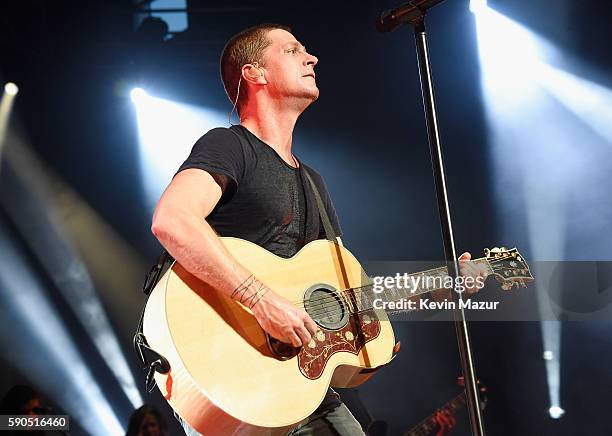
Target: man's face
{"type": "Point", "coordinates": [289, 68]}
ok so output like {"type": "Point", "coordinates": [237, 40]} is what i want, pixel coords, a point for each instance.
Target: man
{"type": "Point", "coordinates": [255, 191]}
{"type": "Point", "coordinates": [247, 183]}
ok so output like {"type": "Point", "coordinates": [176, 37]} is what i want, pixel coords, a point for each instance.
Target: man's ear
{"type": "Point", "coordinates": [254, 74]}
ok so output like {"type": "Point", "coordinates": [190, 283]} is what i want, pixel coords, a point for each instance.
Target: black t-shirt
{"type": "Point", "coordinates": [265, 200]}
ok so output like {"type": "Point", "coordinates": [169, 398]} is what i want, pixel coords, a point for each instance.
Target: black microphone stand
{"type": "Point", "coordinates": [413, 13]}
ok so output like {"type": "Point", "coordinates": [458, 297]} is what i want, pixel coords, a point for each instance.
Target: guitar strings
{"type": "Point", "coordinates": [331, 301]}
{"type": "Point", "coordinates": [332, 298]}
{"type": "Point", "coordinates": [358, 290]}
{"type": "Point", "coordinates": [358, 287]}
{"type": "Point", "coordinates": [422, 273]}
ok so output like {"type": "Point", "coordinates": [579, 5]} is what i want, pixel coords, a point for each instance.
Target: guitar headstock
{"type": "Point", "coordinates": [509, 267]}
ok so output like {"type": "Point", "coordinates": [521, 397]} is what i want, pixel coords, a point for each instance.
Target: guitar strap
{"type": "Point", "coordinates": [330, 234]}
{"type": "Point", "coordinates": [151, 359]}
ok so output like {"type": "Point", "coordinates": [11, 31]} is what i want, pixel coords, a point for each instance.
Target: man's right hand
{"type": "Point", "coordinates": [283, 320]}
{"type": "Point", "coordinates": [179, 225]}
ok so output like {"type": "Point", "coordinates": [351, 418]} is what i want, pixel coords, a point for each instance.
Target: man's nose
{"type": "Point", "coordinates": [311, 59]}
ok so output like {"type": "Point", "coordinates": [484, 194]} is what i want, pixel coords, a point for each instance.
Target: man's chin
{"type": "Point", "coordinates": [310, 97]}
{"type": "Point", "coordinates": [306, 98]}
{"type": "Point", "coordinates": [314, 94]}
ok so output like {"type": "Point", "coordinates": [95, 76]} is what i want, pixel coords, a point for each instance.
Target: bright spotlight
{"type": "Point", "coordinates": [35, 339]}
{"type": "Point", "coordinates": [586, 99]}
{"type": "Point", "coordinates": [65, 263]}
{"type": "Point", "coordinates": [525, 121]}
{"type": "Point", "coordinates": [138, 94]}
{"type": "Point", "coordinates": [556, 412]}
{"type": "Point", "coordinates": [6, 105]}
{"type": "Point", "coordinates": [11, 89]}
{"type": "Point", "coordinates": [477, 6]}
{"type": "Point", "coordinates": [167, 131]}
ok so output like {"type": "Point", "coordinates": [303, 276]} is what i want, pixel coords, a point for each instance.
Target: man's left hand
{"type": "Point", "coordinates": [467, 268]}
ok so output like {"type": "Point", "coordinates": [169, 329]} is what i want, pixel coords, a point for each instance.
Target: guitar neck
{"type": "Point", "coordinates": [410, 286]}
{"type": "Point", "coordinates": [429, 424]}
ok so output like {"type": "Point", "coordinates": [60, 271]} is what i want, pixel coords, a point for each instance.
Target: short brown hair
{"type": "Point", "coordinates": [244, 48]}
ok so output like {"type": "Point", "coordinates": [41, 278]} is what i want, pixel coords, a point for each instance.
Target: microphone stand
{"type": "Point", "coordinates": [413, 13]}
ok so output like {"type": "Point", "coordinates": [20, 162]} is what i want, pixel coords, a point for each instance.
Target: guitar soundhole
{"type": "Point", "coordinates": [326, 307]}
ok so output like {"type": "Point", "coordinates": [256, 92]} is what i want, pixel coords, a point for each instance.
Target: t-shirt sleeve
{"type": "Point", "coordinates": [220, 153]}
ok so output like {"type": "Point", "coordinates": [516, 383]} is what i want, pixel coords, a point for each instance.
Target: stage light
{"type": "Point", "coordinates": [49, 205]}
{"type": "Point", "coordinates": [526, 127]}
{"type": "Point", "coordinates": [11, 89]}
{"type": "Point", "coordinates": [551, 341]}
{"type": "Point", "coordinates": [35, 340]}
{"type": "Point", "coordinates": [6, 107]}
{"type": "Point", "coordinates": [138, 94]}
{"type": "Point", "coordinates": [556, 412]}
{"type": "Point", "coordinates": [589, 101]}
{"type": "Point", "coordinates": [167, 132]}
{"type": "Point", "coordinates": [508, 55]}
{"type": "Point", "coordinates": [477, 6]}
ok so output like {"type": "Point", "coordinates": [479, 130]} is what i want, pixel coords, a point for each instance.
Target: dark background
{"type": "Point", "coordinates": [75, 62]}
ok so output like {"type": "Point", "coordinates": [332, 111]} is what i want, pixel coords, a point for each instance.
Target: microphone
{"type": "Point", "coordinates": [409, 12]}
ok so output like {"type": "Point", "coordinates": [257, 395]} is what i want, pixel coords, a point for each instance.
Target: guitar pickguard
{"type": "Point", "coordinates": [360, 329]}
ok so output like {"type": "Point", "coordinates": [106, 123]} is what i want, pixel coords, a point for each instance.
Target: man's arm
{"type": "Point", "coordinates": [180, 226]}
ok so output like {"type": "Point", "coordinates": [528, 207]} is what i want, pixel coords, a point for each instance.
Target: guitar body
{"type": "Point", "coordinates": [225, 377]}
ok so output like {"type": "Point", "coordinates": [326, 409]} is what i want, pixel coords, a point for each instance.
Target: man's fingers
{"type": "Point", "coordinates": [304, 335]}
{"type": "Point", "coordinates": [465, 256]}
{"type": "Point", "coordinates": [295, 339]}
{"type": "Point", "coordinates": [483, 270]}
{"type": "Point", "coordinates": [312, 326]}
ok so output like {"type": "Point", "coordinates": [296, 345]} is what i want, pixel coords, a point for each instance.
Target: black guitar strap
{"type": "Point", "coordinates": [330, 234]}
{"type": "Point", "coordinates": [151, 359]}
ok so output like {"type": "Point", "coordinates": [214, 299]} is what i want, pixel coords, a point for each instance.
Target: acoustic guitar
{"type": "Point", "coordinates": [227, 376]}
